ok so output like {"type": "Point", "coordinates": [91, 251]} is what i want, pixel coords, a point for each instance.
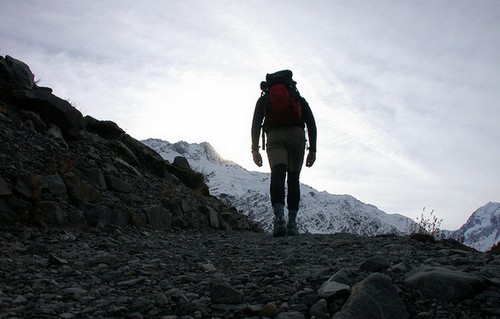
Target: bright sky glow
{"type": "Point", "coordinates": [405, 93]}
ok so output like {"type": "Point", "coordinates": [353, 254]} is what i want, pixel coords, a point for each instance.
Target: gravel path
{"type": "Point", "coordinates": [131, 272]}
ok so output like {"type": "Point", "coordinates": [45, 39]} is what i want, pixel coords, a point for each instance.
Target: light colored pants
{"type": "Point", "coordinates": [286, 145]}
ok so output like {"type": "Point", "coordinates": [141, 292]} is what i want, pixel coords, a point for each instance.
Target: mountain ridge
{"type": "Point", "coordinates": [481, 231]}
{"type": "Point", "coordinates": [320, 211]}
{"type": "Point", "coordinates": [243, 188]}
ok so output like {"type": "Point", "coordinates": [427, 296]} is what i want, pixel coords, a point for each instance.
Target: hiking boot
{"type": "Point", "coordinates": [279, 227]}
{"type": "Point", "coordinates": [291, 227]}
{"type": "Point", "coordinates": [279, 220]}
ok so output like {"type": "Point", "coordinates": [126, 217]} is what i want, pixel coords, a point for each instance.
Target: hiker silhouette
{"type": "Point", "coordinates": [283, 116]}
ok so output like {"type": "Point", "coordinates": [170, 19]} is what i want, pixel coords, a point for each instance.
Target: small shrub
{"type": "Point", "coordinates": [195, 180]}
{"type": "Point", "coordinates": [200, 182]}
{"type": "Point", "coordinates": [428, 228]}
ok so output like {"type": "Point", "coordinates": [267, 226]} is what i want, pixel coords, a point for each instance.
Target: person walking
{"type": "Point", "coordinates": [283, 116]}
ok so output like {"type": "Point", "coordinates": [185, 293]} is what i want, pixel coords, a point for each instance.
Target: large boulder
{"type": "Point", "coordinates": [16, 73]}
{"type": "Point", "coordinates": [444, 284]}
{"type": "Point", "coordinates": [18, 82]}
{"type": "Point", "coordinates": [376, 297]}
{"type": "Point", "coordinates": [52, 109]}
{"type": "Point", "coordinates": [105, 129]}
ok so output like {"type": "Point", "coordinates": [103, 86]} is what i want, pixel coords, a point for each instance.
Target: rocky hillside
{"type": "Point", "coordinates": [58, 168]}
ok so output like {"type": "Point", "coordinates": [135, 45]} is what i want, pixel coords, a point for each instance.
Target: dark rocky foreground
{"type": "Point", "coordinates": [132, 272]}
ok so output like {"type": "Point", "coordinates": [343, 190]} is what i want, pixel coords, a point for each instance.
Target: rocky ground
{"type": "Point", "coordinates": [141, 272]}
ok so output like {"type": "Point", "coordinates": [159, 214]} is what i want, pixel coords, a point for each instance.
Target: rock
{"type": "Point", "coordinates": [53, 184]}
{"type": "Point", "coordinates": [291, 315]}
{"type": "Point", "coordinates": [105, 129]}
{"type": "Point", "coordinates": [444, 284]}
{"type": "Point", "coordinates": [375, 264]}
{"type": "Point", "coordinates": [50, 213]}
{"type": "Point", "coordinates": [131, 282]}
{"type": "Point", "coordinates": [117, 184]}
{"type": "Point", "coordinates": [342, 276]}
{"type": "Point", "coordinates": [148, 159]}
{"type": "Point", "coordinates": [54, 260]}
{"type": "Point", "coordinates": [182, 162]}
{"type": "Point", "coordinates": [124, 152]}
{"type": "Point", "coordinates": [74, 291]}
{"type": "Point", "coordinates": [78, 189]}
{"type": "Point", "coordinates": [55, 132]}
{"type": "Point", "coordinates": [376, 297]}
{"type": "Point", "coordinates": [223, 294]}
{"type": "Point", "coordinates": [52, 109]}
{"type": "Point", "coordinates": [38, 249]}
{"type": "Point", "coordinates": [269, 310]}
{"type": "Point", "coordinates": [19, 300]}
{"type": "Point", "coordinates": [13, 212]}
{"type": "Point", "coordinates": [106, 259]}
{"type": "Point", "coordinates": [17, 73]}
{"type": "Point", "coordinates": [96, 177]}
{"type": "Point", "coordinates": [212, 216]}
{"type": "Point", "coordinates": [129, 167]}
{"type": "Point", "coordinates": [4, 187]}
{"type": "Point", "coordinates": [158, 217]}
{"type": "Point", "coordinates": [208, 267]}
{"type": "Point", "coordinates": [161, 299]}
{"type": "Point", "coordinates": [135, 315]}
{"type": "Point", "coordinates": [333, 290]}
{"type": "Point", "coordinates": [28, 186]}
{"type": "Point", "coordinates": [319, 309]}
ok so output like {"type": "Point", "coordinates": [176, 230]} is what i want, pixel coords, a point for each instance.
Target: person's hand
{"type": "Point", "coordinates": [311, 158]}
{"type": "Point", "coordinates": [257, 158]}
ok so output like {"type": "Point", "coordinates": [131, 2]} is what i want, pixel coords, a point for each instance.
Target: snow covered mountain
{"type": "Point", "coordinates": [482, 229]}
{"type": "Point", "coordinates": [320, 212]}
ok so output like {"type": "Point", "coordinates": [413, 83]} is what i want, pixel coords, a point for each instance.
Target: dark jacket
{"type": "Point", "coordinates": [306, 120]}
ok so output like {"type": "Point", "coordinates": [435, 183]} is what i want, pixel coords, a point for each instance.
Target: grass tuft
{"type": "Point", "coordinates": [428, 228]}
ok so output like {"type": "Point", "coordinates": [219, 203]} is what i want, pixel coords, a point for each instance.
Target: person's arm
{"type": "Point", "coordinates": [311, 132]}
{"type": "Point", "coordinates": [258, 117]}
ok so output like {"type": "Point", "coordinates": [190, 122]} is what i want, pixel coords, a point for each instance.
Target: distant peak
{"type": "Point", "coordinates": [191, 151]}
{"type": "Point", "coordinates": [211, 153]}
{"type": "Point", "coordinates": [181, 147]}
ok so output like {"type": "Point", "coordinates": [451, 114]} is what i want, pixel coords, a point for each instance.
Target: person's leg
{"type": "Point", "coordinates": [293, 197]}
{"type": "Point", "coordinates": [296, 150]}
{"type": "Point", "coordinates": [277, 187]}
{"type": "Point", "coordinates": [293, 200]}
{"type": "Point", "coordinates": [277, 190]}
{"type": "Point", "coordinates": [278, 157]}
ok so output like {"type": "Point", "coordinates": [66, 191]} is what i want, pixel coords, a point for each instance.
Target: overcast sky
{"type": "Point", "coordinates": [405, 93]}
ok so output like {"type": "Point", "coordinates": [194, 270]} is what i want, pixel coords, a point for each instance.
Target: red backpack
{"type": "Point", "coordinates": [282, 100]}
